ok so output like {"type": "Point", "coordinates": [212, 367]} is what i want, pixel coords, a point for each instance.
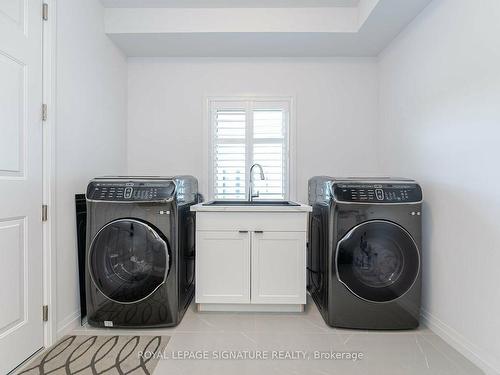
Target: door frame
{"type": "Point", "coordinates": [49, 39]}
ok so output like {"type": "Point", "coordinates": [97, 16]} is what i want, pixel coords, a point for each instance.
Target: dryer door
{"type": "Point", "coordinates": [128, 260]}
{"type": "Point", "coordinates": [378, 261]}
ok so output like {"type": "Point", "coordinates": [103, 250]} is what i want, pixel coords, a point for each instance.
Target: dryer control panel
{"type": "Point", "coordinates": [130, 191]}
{"type": "Point", "coordinates": [377, 193]}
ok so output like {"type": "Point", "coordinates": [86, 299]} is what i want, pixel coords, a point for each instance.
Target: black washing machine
{"type": "Point", "coordinates": [364, 251]}
{"type": "Point", "coordinates": [141, 250]}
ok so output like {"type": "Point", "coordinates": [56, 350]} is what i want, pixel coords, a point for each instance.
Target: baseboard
{"type": "Point", "coordinates": [68, 324]}
{"type": "Point", "coordinates": [460, 343]}
{"type": "Point", "coordinates": [246, 307]}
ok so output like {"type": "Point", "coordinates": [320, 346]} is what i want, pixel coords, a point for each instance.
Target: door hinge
{"type": "Point", "coordinates": [45, 212]}
{"type": "Point", "coordinates": [45, 313]}
{"type": "Point", "coordinates": [44, 112]}
{"type": "Point", "coordinates": [45, 11]}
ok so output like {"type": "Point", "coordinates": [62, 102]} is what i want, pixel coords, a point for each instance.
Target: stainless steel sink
{"type": "Point", "coordinates": [253, 203]}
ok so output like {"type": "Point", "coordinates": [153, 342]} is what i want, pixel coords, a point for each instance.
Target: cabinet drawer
{"type": "Point", "coordinates": [252, 221]}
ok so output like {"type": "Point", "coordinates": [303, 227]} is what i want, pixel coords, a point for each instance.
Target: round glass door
{"type": "Point", "coordinates": [378, 261]}
{"type": "Point", "coordinates": [128, 260]}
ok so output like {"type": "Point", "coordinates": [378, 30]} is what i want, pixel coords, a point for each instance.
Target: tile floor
{"type": "Point", "coordinates": [396, 352]}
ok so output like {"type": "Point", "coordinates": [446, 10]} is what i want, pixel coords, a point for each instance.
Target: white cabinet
{"type": "Point", "coordinates": [278, 267]}
{"type": "Point", "coordinates": [251, 261]}
{"type": "Point", "coordinates": [223, 267]}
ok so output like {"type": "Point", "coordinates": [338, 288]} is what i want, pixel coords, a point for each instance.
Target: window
{"type": "Point", "coordinates": [245, 132]}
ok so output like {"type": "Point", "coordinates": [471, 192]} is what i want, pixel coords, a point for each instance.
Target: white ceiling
{"type": "Point", "coordinates": [362, 30]}
{"type": "Point", "coordinates": [228, 3]}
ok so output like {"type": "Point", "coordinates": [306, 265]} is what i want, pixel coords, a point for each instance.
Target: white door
{"type": "Point", "coordinates": [222, 267]}
{"type": "Point", "coordinates": [279, 267]}
{"type": "Point", "coordinates": [21, 326]}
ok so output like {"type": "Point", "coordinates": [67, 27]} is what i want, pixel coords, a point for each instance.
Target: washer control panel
{"type": "Point", "coordinates": [377, 193]}
{"type": "Point", "coordinates": [132, 191]}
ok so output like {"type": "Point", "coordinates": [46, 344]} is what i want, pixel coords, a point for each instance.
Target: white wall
{"type": "Point", "coordinates": [90, 130]}
{"type": "Point", "coordinates": [440, 123]}
{"type": "Point", "coordinates": [436, 94]}
{"type": "Point", "coordinates": [336, 111]}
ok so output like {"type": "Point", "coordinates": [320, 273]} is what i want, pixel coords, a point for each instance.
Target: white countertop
{"type": "Point", "coordinates": [202, 207]}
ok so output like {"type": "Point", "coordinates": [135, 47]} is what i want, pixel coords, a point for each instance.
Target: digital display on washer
{"type": "Point", "coordinates": [130, 191]}
{"type": "Point", "coordinates": [377, 193]}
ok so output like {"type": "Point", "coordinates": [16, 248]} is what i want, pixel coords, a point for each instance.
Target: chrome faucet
{"type": "Point", "coordinates": [251, 194]}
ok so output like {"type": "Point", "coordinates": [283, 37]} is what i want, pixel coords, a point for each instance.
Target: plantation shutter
{"type": "Point", "coordinates": [230, 154]}
{"type": "Point", "coordinates": [269, 150]}
{"type": "Point", "coordinates": [245, 133]}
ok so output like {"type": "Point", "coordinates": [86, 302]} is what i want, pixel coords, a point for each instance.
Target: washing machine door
{"type": "Point", "coordinates": [128, 260]}
{"type": "Point", "coordinates": [377, 261]}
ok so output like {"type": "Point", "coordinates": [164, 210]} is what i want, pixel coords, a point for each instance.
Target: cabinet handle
{"type": "Point", "coordinates": [259, 231]}
{"type": "Point", "coordinates": [243, 231]}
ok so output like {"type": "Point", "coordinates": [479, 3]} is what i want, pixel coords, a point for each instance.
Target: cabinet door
{"type": "Point", "coordinates": [222, 267]}
{"type": "Point", "coordinates": [279, 267]}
